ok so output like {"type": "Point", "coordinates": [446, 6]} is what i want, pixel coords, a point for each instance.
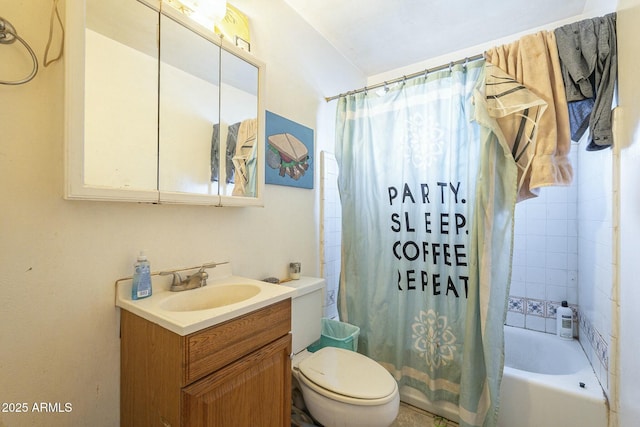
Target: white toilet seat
{"type": "Point", "coordinates": [348, 377]}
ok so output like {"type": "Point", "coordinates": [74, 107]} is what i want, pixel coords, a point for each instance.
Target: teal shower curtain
{"type": "Point", "coordinates": [428, 191]}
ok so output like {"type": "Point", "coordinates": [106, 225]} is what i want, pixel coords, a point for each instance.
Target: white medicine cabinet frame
{"type": "Point", "coordinates": [159, 109]}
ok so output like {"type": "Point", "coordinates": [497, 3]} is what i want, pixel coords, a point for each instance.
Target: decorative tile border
{"type": "Point", "coordinates": [552, 308]}
{"type": "Point", "coordinates": [597, 342]}
{"type": "Point", "coordinates": [547, 309]}
{"type": "Point", "coordinates": [516, 305]}
{"type": "Point", "coordinates": [537, 307]}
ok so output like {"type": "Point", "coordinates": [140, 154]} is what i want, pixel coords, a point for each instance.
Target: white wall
{"type": "Point", "coordinates": [592, 8]}
{"type": "Point", "coordinates": [59, 259]}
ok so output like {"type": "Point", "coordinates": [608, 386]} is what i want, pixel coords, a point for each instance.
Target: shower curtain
{"type": "Point", "coordinates": [428, 190]}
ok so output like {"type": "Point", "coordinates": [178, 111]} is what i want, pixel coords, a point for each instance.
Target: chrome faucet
{"type": "Point", "coordinates": [196, 280]}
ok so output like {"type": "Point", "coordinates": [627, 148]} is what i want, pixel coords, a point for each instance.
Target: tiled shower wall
{"type": "Point", "coordinates": [331, 226]}
{"type": "Point", "coordinates": [545, 257]}
{"type": "Point", "coordinates": [595, 246]}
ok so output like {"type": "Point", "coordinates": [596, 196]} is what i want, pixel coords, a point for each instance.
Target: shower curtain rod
{"type": "Point", "coordinates": [410, 76]}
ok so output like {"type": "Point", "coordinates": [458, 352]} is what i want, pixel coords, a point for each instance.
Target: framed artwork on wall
{"type": "Point", "coordinates": [289, 152]}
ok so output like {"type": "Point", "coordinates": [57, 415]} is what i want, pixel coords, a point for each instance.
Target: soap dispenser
{"type": "Point", "coordinates": [141, 287]}
{"type": "Point", "coordinates": [565, 321]}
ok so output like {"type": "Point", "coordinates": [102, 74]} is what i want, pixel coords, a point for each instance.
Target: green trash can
{"type": "Point", "coordinates": [336, 334]}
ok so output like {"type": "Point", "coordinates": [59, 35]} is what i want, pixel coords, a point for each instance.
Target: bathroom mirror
{"type": "Point", "coordinates": [159, 108]}
{"type": "Point", "coordinates": [112, 129]}
{"type": "Point", "coordinates": [189, 110]}
{"type": "Point", "coordinates": [239, 120]}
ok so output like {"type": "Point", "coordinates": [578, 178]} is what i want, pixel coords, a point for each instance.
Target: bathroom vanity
{"type": "Point", "coordinates": [237, 373]}
{"type": "Point", "coordinates": [213, 356]}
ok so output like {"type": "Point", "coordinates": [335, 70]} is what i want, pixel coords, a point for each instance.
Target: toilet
{"type": "Point", "coordinates": [339, 387]}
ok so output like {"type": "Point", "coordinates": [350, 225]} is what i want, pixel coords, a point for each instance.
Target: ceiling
{"type": "Point", "coordinates": [381, 35]}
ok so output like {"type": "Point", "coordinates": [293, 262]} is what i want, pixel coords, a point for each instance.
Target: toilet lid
{"type": "Point", "coordinates": [348, 373]}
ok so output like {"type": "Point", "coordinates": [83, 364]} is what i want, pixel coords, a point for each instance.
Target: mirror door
{"type": "Point", "coordinates": [120, 96]}
{"type": "Point", "coordinates": [239, 117]}
{"type": "Point", "coordinates": [189, 115]}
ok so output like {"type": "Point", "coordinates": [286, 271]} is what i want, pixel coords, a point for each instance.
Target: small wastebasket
{"type": "Point", "coordinates": [336, 334]}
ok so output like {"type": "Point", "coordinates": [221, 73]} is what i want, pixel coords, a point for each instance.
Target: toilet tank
{"type": "Point", "coordinates": [306, 311]}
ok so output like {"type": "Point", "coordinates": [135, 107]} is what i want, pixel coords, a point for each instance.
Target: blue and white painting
{"type": "Point", "coordinates": [288, 152]}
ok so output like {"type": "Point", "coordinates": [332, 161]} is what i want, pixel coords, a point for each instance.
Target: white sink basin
{"type": "Point", "coordinates": [225, 297]}
{"type": "Point", "coordinates": [209, 297]}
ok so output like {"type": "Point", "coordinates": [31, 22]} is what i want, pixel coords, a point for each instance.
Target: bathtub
{"type": "Point", "coordinates": [540, 385]}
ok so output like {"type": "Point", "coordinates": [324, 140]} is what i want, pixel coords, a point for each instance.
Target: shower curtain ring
{"type": "Point", "coordinates": [451, 66]}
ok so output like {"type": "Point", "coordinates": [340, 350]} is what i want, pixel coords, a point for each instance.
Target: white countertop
{"type": "Point", "coordinates": [187, 322]}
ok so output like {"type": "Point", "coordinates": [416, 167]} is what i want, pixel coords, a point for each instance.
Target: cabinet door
{"type": "Point", "coordinates": [253, 391]}
{"type": "Point", "coordinates": [240, 112]}
{"type": "Point", "coordinates": [189, 116]}
{"type": "Point", "coordinates": [112, 100]}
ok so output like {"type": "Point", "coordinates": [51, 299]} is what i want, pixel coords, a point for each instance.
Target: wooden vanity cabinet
{"type": "Point", "coordinates": [234, 374]}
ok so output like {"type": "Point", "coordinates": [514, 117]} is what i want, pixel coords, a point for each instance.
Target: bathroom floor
{"type": "Point", "coordinates": [410, 416]}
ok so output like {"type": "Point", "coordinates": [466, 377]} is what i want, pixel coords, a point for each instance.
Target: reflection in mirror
{"type": "Point", "coordinates": [121, 95]}
{"type": "Point", "coordinates": [239, 126]}
{"type": "Point", "coordinates": [189, 109]}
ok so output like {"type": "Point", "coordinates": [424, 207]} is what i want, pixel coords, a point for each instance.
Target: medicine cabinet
{"type": "Point", "coordinates": [159, 108]}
